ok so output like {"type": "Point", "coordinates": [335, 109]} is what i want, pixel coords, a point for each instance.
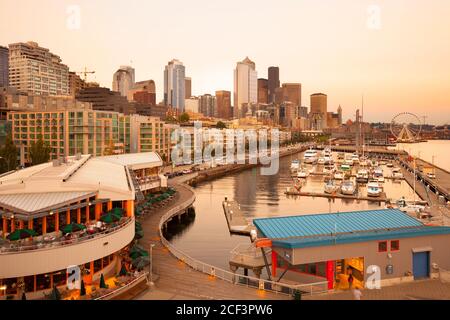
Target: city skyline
{"type": "Point", "coordinates": [395, 69]}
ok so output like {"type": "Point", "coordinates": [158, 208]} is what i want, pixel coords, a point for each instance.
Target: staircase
{"type": "Point", "coordinates": [137, 189]}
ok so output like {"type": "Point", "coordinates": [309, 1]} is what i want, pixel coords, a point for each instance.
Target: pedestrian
{"type": "Point", "coordinates": [350, 281]}
{"type": "Point", "coordinates": [357, 294]}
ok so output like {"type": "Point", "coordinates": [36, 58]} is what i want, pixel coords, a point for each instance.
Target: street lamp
{"type": "Point", "coordinates": [151, 264]}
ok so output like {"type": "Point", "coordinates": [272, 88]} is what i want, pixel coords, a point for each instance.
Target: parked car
{"type": "Point", "coordinates": [431, 175]}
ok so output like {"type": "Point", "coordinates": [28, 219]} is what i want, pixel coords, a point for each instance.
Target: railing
{"type": "Point", "coordinates": [124, 288]}
{"type": "Point", "coordinates": [248, 251]}
{"type": "Point", "coordinates": [237, 279]}
{"type": "Point", "coordinates": [13, 248]}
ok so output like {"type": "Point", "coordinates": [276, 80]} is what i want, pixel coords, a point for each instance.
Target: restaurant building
{"type": "Point", "coordinates": [48, 201]}
{"type": "Point", "coordinates": [388, 243]}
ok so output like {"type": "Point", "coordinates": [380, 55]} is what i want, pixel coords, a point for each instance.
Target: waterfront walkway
{"type": "Point", "coordinates": [178, 281]}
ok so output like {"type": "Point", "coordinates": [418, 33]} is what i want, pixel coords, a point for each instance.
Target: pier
{"type": "Point", "coordinates": [371, 151]}
{"type": "Point", "coordinates": [381, 198]}
{"type": "Point", "coordinates": [237, 224]}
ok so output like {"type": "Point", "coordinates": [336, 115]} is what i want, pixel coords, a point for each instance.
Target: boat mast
{"type": "Point", "coordinates": [360, 124]}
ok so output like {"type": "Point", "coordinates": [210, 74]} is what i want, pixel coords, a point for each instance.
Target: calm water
{"type": "Point", "coordinates": [207, 237]}
{"type": "Point", "coordinates": [440, 149]}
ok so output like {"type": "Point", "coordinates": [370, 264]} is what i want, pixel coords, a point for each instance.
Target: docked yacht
{"type": "Point", "coordinates": [389, 164]}
{"type": "Point", "coordinates": [302, 173]}
{"type": "Point", "coordinates": [345, 167]}
{"type": "Point", "coordinates": [328, 168]}
{"type": "Point", "coordinates": [321, 160]}
{"type": "Point", "coordinates": [341, 156]}
{"type": "Point", "coordinates": [362, 176]}
{"type": "Point", "coordinates": [338, 175]}
{"type": "Point", "coordinates": [355, 158]}
{"type": "Point", "coordinates": [396, 173]}
{"type": "Point", "coordinates": [295, 165]}
{"type": "Point", "coordinates": [310, 156]}
{"type": "Point", "coordinates": [348, 160]}
{"type": "Point", "coordinates": [374, 189]}
{"type": "Point", "coordinates": [378, 174]}
{"type": "Point", "coordinates": [348, 187]}
{"type": "Point", "coordinates": [331, 187]}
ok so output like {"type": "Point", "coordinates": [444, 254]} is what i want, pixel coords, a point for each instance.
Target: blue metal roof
{"type": "Point", "coordinates": [346, 227]}
{"type": "Point", "coordinates": [360, 237]}
{"type": "Point", "coordinates": [325, 224]}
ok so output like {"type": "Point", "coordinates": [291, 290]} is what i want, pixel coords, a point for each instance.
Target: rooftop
{"type": "Point", "coordinates": [356, 226]}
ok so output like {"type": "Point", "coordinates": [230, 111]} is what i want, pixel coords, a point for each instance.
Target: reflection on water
{"type": "Point", "coordinates": [437, 150]}
{"type": "Point", "coordinates": [208, 238]}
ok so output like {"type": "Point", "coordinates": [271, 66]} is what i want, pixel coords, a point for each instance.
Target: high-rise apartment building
{"type": "Point", "coordinates": [273, 82]}
{"type": "Point", "coordinates": [208, 105]}
{"type": "Point", "coordinates": [292, 92]}
{"type": "Point", "coordinates": [4, 67]}
{"type": "Point", "coordinates": [192, 105]}
{"type": "Point", "coordinates": [123, 80]}
{"type": "Point", "coordinates": [339, 111]}
{"type": "Point", "coordinates": [188, 88]}
{"type": "Point", "coordinates": [319, 110]}
{"type": "Point", "coordinates": [223, 104]}
{"type": "Point", "coordinates": [245, 86]}
{"type": "Point", "coordinates": [263, 91]}
{"type": "Point", "coordinates": [73, 131]}
{"type": "Point", "coordinates": [174, 85]}
{"type": "Point", "coordinates": [76, 84]}
{"type": "Point", "coordinates": [36, 70]}
{"type": "Point", "coordinates": [143, 92]}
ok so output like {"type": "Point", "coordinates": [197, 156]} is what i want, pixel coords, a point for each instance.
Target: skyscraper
{"type": "Point", "coordinates": [292, 92]}
{"type": "Point", "coordinates": [319, 108]}
{"type": "Point", "coordinates": [188, 88]}
{"type": "Point", "coordinates": [143, 92]}
{"type": "Point", "coordinates": [223, 104]}
{"type": "Point", "coordinates": [175, 85]}
{"type": "Point", "coordinates": [245, 85]}
{"type": "Point", "coordinates": [4, 66]}
{"type": "Point", "coordinates": [36, 70]}
{"type": "Point", "coordinates": [274, 82]}
{"type": "Point", "coordinates": [208, 105]}
{"type": "Point", "coordinates": [263, 93]}
{"type": "Point", "coordinates": [339, 111]}
{"type": "Point", "coordinates": [123, 80]}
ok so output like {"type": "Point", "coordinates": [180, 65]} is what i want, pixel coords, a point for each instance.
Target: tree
{"type": "Point", "coordinates": [55, 295]}
{"type": "Point", "coordinates": [102, 282]}
{"type": "Point", "coordinates": [39, 152]}
{"type": "Point", "coordinates": [221, 125]}
{"type": "Point", "coordinates": [8, 154]}
{"type": "Point", "coordinates": [184, 117]}
{"type": "Point", "coordinates": [82, 289]}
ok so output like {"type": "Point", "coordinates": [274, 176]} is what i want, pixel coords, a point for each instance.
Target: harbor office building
{"type": "Point", "coordinates": [46, 200]}
{"type": "Point", "coordinates": [332, 246]}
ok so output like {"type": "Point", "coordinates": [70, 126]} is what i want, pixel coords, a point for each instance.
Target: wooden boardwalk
{"type": "Point", "coordinates": [179, 279]}
{"type": "Point", "coordinates": [237, 224]}
{"type": "Point", "coordinates": [381, 198]}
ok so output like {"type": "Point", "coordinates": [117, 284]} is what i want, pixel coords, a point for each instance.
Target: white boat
{"type": "Point", "coordinates": [362, 176]}
{"type": "Point", "coordinates": [389, 164]}
{"type": "Point", "coordinates": [374, 189]}
{"type": "Point", "coordinates": [345, 167]}
{"type": "Point", "coordinates": [396, 174]}
{"type": "Point", "coordinates": [295, 165]}
{"type": "Point", "coordinates": [331, 187]}
{"type": "Point", "coordinates": [348, 159]}
{"type": "Point", "coordinates": [341, 156]}
{"type": "Point", "coordinates": [328, 168]}
{"type": "Point", "coordinates": [363, 163]}
{"type": "Point", "coordinates": [348, 187]}
{"type": "Point", "coordinates": [310, 156]}
{"type": "Point", "coordinates": [328, 159]}
{"type": "Point", "coordinates": [321, 160]}
{"type": "Point", "coordinates": [302, 173]}
{"type": "Point", "coordinates": [338, 175]}
{"type": "Point", "coordinates": [355, 158]}
{"type": "Point", "coordinates": [378, 174]}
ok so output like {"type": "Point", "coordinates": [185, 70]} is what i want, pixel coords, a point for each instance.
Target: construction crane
{"type": "Point", "coordinates": [85, 73]}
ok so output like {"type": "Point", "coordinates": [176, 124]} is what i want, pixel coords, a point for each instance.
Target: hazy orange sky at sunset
{"type": "Point", "coordinates": [328, 46]}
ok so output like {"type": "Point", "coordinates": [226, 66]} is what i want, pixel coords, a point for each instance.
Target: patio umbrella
{"type": "Point", "coordinates": [21, 234]}
{"type": "Point", "coordinates": [73, 227]}
{"type": "Point", "coordinates": [110, 217]}
{"type": "Point", "coordinates": [140, 262]}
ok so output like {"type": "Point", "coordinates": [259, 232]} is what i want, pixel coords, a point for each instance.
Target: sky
{"type": "Point", "coordinates": [394, 52]}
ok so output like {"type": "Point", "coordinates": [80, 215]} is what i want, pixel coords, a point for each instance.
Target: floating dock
{"type": "Point", "coordinates": [237, 224]}
{"type": "Point", "coordinates": [381, 198]}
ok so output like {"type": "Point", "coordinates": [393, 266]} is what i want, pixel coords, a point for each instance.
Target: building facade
{"type": "Point", "coordinates": [36, 70]}
{"type": "Point", "coordinates": [319, 107]}
{"type": "Point", "coordinates": [4, 67]}
{"type": "Point", "coordinates": [192, 104]}
{"type": "Point", "coordinates": [207, 105]}
{"type": "Point", "coordinates": [245, 86]}
{"type": "Point", "coordinates": [223, 104]}
{"type": "Point", "coordinates": [174, 85]}
{"type": "Point", "coordinates": [263, 91]}
{"type": "Point", "coordinates": [76, 84]}
{"type": "Point", "coordinates": [273, 82]}
{"type": "Point", "coordinates": [143, 92]}
{"type": "Point", "coordinates": [123, 80]}
{"type": "Point", "coordinates": [105, 100]}
{"type": "Point", "coordinates": [188, 88]}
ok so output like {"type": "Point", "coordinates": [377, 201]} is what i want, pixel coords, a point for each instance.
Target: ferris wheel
{"type": "Point", "coordinates": [406, 127]}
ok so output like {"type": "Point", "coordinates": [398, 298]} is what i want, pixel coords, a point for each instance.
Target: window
{"type": "Point", "coordinates": [382, 246]}
{"type": "Point", "coordinates": [395, 245]}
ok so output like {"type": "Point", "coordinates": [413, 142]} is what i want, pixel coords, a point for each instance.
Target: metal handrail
{"type": "Point", "coordinates": [127, 286]}
{"type": "Point", "coordinates": [237, 279]}
{"type": "Point", "coordinates": [63, 243]}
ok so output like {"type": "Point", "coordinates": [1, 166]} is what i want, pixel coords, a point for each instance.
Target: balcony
{"type": "Point", "coordinates": [58, 254]}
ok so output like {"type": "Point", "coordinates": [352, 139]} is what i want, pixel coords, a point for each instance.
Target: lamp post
{"type": "Point", "coordinates": [151, 264]}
